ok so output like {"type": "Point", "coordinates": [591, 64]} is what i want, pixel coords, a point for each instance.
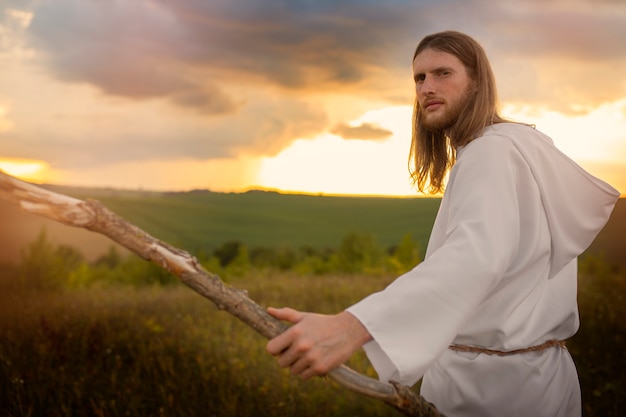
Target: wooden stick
{"type": "Point", "coordinates": [92, 215]}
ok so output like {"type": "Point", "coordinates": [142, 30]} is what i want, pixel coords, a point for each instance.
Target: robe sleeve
{"type": "Point", "coordinates": [417, 316]}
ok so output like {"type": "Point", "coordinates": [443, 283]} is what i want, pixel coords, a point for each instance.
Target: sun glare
{"type": "Point", "coordinates": [328, 164]}
{"type": "Point", "coordinates": [595, 140]}
{"type": "Point", "coordinates": [26, 169]}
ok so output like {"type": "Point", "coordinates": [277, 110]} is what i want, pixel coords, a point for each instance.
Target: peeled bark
{"type": "Point", "coordinates": [92, 215]}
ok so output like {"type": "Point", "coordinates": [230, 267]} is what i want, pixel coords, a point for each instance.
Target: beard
{"type": "Point", "coordinates": [443, 122]}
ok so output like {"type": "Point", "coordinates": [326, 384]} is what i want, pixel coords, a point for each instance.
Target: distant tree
{"type": "Point", "coordinates": [227, 252]}
{"type": "Point", "coordinates": [406, 255]}
{"type": "Point", "coordinates": [316, 261]}
{"type": "Point", "coordinates": [359, 252]}
{"type": "Point", "coordinates": [112, 258]}
{"type": "Point", "coordinates": [282, 258]}
{"type": "Point", "coordinates": [240, 264]}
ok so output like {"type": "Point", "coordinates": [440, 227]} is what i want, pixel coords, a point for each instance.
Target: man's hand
{"type": "Point", "coordinates": [316, 343]}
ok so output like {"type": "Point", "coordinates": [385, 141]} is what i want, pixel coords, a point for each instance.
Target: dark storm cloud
{"type": "Point", "coordinates": [365, 131]}
{"type": "Point", "coordinates": [189, 49]}
{"type": "Point", "coordinates": [125, 48]}
{"type": "Point", "coordinates": [159, 48]}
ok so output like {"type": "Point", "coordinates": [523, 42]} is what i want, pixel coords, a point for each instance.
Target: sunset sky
{"type": "Point", "coordinates": [297, 95]}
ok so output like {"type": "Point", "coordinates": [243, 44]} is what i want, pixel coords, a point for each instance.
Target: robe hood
{"type": "Point", "coordinates": [577, 204]}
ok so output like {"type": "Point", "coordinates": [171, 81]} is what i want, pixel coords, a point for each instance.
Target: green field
{"type": "Point", "coordinates": [203, 220]}
{"type": "Point", "coordinates": [257, 218]}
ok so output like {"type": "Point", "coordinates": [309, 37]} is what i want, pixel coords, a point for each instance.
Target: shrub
{"type": "Point", "coordinates": [359, 252]}
{"type": "Point", "coordinates": [46, 266]}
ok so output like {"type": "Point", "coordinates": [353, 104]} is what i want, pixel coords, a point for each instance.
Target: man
{"type": "Point", "coordinates": [483, 318]}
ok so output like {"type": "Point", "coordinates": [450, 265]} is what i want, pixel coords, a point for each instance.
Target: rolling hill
{"type": "Point", "coordinates": [203, 220]}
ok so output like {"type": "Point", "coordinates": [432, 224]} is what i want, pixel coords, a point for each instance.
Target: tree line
{"type": "Point", "coordinates": [46, 265]}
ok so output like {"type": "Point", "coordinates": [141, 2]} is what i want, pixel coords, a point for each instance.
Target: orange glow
{"type": "Point", "coordinates": [328, 164]}
{"type": "Point", "coordinates": [25, 169]}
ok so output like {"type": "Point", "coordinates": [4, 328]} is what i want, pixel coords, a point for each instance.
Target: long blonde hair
{"type": "Point", "coordinates": [433, 153]}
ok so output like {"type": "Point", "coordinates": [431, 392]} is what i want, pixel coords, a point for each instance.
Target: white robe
{"type": "Point", "coordinates": [500, 273]}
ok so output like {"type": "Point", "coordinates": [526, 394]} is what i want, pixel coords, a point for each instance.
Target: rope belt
{"type": "Point", "coordinates": [537, 348]}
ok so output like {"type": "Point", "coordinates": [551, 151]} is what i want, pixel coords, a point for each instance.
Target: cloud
{"type": "Point", "coordinates": [365, 131]}
{"type": "Point", "coordinates": [216, 79]}
{"type": "Point", "coordinates": [75, 139]}
{"type": "Point", "coordinates": [208, 99]}
{"type": "Point", "coordinates": [5, 123]}
{"type": "Point", "coordinates": [151, 49]}
{"type": "Point", "coordinates": [128, 49]}
{"type": "Point", "coordinates": [13, 22]}
{"type": "Point", "coordinates": [191, 51]}
{"type": "Point", "coordinates": [558, 55]}
{"type": "Point", "coordinates": [579, 29]}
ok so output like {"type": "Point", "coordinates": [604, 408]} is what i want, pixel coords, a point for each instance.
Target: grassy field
{"type": "Point", "coordinates": [165, 351]}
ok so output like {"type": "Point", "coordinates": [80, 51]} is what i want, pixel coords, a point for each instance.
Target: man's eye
{"type": "Point", "coordinates": [420, 78]}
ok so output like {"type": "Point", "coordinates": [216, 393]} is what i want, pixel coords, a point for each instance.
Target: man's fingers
{"type": "Point", "coordinates": [286, 313]}
{"type": "Point", "coordinates": [300, 367]}
{"type": "Point", "coordinates": [279, 344]}
{"type": "Point", "coordinates": [312, 345]}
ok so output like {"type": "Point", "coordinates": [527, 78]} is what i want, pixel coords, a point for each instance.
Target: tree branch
{"type": "Point", "coordinates": [92, 215]}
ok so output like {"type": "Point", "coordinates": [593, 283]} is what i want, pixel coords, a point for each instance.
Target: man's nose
{"type": "Point", "coordinates": [427, 87]}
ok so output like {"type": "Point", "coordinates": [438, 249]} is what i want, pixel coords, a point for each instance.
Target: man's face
{"type": "Point", "coordinates": [442, 86]}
